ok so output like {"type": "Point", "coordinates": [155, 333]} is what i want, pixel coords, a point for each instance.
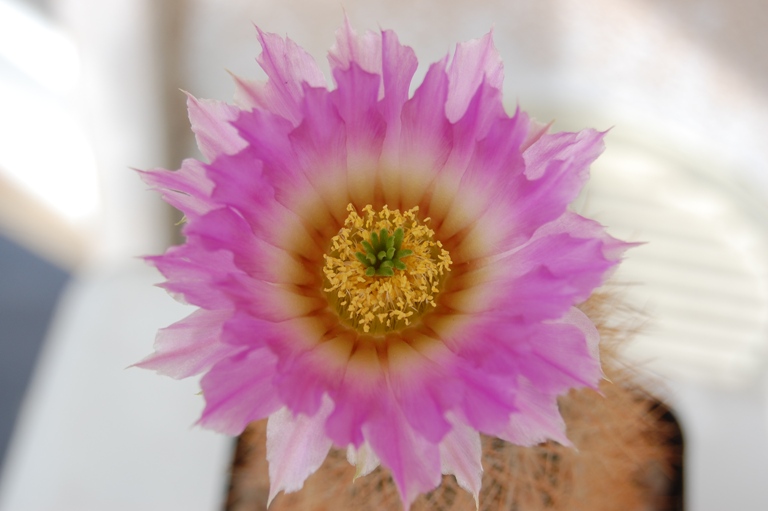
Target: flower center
{"type": "Point", "coordinates": [384, 269]}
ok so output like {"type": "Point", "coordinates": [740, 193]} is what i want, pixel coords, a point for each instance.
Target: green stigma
{"type": "Point", "coordinates": [383, 253]}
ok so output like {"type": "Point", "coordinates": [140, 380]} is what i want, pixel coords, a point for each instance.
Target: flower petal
{"type": "Point", "coordinates": [238, 391]}
{"type": "Point", "coordinates": [296, 447]}
{"type": "Point", "coordinates": [211, 122]}
{"type": "Point", "coordinates": [413, 461]}
{"type": "Point", "coordinates": [460, 455]}
{"type": "Point", "coordinates": [426, 136]}
{"type": "Point", "coordinates": [537, 420]}
{"type": "Point", "coordinates": [473, 62]}
{"type": "Point", "coordinates": [363, 458]}
{"type": "Point", "coordinates": [288, 67]}
{"type": "Point", "coordinates": [190, 346]}
{"type": "Point", "coordinates": [187, 189]}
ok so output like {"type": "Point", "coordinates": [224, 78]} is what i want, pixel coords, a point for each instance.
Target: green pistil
{"type": "Point", "coordinates": [383, 253]}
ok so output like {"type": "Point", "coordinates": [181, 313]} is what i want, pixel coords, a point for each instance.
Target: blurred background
{"type": "Point", "coordinates": [91, 88]}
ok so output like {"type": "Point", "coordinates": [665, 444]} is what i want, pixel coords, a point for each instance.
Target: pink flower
{"type": "Point", "coordinates": [386, 273]}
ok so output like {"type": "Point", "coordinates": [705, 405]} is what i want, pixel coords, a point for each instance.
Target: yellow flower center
{"type": "Point", "coordinates": [384, 269]}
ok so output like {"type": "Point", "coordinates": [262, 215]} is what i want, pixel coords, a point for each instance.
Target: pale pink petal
{"type": "Point", "coordinates": [187, 189]}
{"type": "Point", "coordinates": [363, 458]}
{"type": "Point", "coordinates": [192, 275]}
{"type": "Point", "coordinates": [537, 130]}
{"type": "Point", "coordinates": [582, 322]}
{"type": "Point", "coordinates": [212, 124]}
{"type": "Point", "coordinates": [296, 447]}
{"type": "Point", "coordinates": [537, 419]}
{"type": "Point", "coordinates": [191, 345]}
{"type": "Point", "coordinates": [363, 50]}
{"type": "Point", "coordinates": [473, 62]}
{"type": "Point", "coordinates": [461, 455]}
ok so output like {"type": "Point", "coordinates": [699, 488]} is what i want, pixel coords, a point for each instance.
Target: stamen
{"type": "Point", "coordinates": [384, 269]}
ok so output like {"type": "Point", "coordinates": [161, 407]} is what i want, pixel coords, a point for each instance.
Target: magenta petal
{"type": "Point", "coordinates": [560, 358]}
{"type": "Point", "coordinates": [398, 66]}
{"type": "Point", "coordinates": [357, 399]}
{"type": "Point", "coordinates": [296, 447]}
{"type": "Point", "coordinates": [412, 378]}
{"type": "Point", "coordinates": [413, 461]}
{"type": "Point", "coordinates": [460, 455]}
{"type": "Point", "coordinates": [288, 67]}
{"type": "Point", "coordinates": [251, 255]}
{"type": "Point", "coordinates": [238, 390]}
{"type": "Point", "coordinates": [426, 135]}
{"type": "Point", "coordinates": [304, 378]}
{"type": "Point", "coordinates": [557, 166]}
{"type": "Point", "coordinates": [191, 345]}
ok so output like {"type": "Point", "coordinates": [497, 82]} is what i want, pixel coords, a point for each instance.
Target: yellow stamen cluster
{"type": "Point", "coordinates": [376, 304]}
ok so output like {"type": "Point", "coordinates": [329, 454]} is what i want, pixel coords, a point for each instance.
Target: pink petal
{"type": "Point", "coordinates": [560, 358]}
{"type": "Point", "coordinates": [253, 196]}
{"type": "Point", "coordinates": [362, 50]}
{"type": "Point", "coordinates": [211, 122]}
{"type": "Point", "coordinates": [494, 168]}
{"type": "Point", "coordinates": [191, 345]}
{"type": "Point", "coordinates": [287, 66]}
{"type": "Point", "coordinates": [557, 166]}
{"type": "Point", "coordinates": [238, 391]}
{"type": "Point", "coordinates": [399, 63]}
{"type": "Point", "coordinates": [193, 275]}
{"type": "Point", "coordinates": [358, 398]}
{"type": "Point", "coordinates": [319, 143]}
{"type": "Point", "coordinates": [296, 447]}
{"type": "Point", "coordinates": [426, 135]}
{"type": "Point", "coordinates": [412, 379]}
{"type": "Point", "coordinates": [282, 160]}
{"type": "Point", "coordinates": [473, 62]}
{"type": "Point", "coordinates": [187, 189]}
{"type": "Point", "coordinates": [357, 104]}
{"type": "Point", "coordinates": [225, 228]}
{"type": "Point", "coordinates": [305, 377]}
{"type": "Point", "coordinates": [537, 420]}
{"type": "Point", "coordinates": [413, 461]}
{"type": "Point", "coordinates": [483, 111]}
{"type": "Point", "coordinates": [561, 265]}
{"type": "Point", "coordinates": [480, 398]}
{"type": "Point", "coordinates": [461, 455]}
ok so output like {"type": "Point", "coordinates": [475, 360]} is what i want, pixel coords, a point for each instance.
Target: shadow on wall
{"type": "Point", "coordinates": [29, 290]}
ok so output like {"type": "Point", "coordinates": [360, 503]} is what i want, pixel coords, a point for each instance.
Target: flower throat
{"type": "Point", "coordinates": [384, 269]}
